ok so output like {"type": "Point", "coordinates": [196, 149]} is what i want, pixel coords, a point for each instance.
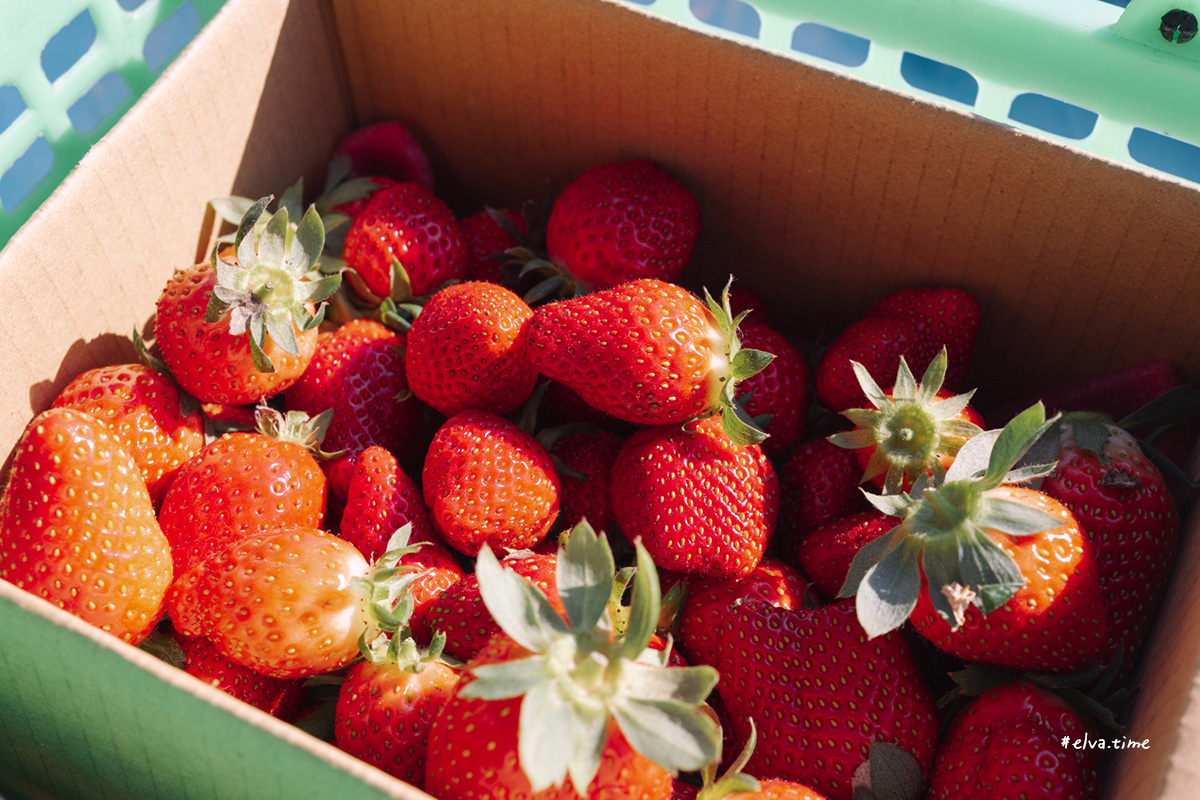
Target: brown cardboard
{"type": "Point", "coordinates": [822, 189]}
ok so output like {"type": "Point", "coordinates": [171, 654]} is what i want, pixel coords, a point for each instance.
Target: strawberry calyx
{"type": "Point", "coordinates": [296, 427]}
{"type": "Point", "coordinates": [266, 291]}
{"type": "Point", "coordinates": [910, 428]}
{"type": "Point", "coordinates": [732, 363]}
{"type": "Point", "coordinates": [581, 675]}
{"type": "Point", "coordinates": [942, 534]}
{"type": "Point", "coordinates": [888, 773]}
{"type": "Point", "coordinates": [733, 780]}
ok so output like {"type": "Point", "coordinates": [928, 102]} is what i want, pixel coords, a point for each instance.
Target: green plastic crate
{"type": "Point", "coordinates": [68, 71]}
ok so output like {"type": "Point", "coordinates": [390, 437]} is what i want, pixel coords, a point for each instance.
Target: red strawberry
{"type": "Point", "coordinates": [486, 239]}
{"type": "Point", "coordinates": [460, 614]}
{"type": "Point", "coordinates": [270, 335]}
{"type": "Point", "coordinates": [621, 222]}
{"type": "Point", "coordinates": [358, 373]}
{"type": "Point", "coordinates": [486, 480]}
{"type": "Point", "coordinates": [278, 697]}
{"type": "Point", "coordinates": [591, 454]}
{"type": "Point", "coordinates": [1009, 743]}
{"type": "Point", "coordinates": [819, 693]}
{"type": "Point", "coordinates": [779, 390]}
{"type": "Point", "coordinates": [142, 407]}
{"type": "Point", "coordinates": [875, 342]}
{"type": "Point", "coordinates": [1121, 501]}
{"type": "Point", "coordinates": [646, 352]}
{"type": "Point", "coordinates": [825, 554]}
{"type": "Point", "coordinates": [468, 349]}
{"type": "Point", "coordinates": [239, 484]}
{"type": "Point", "coordinates": [818, 484]}
{"type": "Point", "coordinates": [386, 148]}
{"type": "Point", "coordinates": [700, 503]}
{"type": "Point", "coordinates": [744, 299]}
{"type": "Point", "coordinates": [77, 527]}
{"type": "Point", "coordinates": [382, 499]}
{"type": "Point", "coordinates": [562, 405]}
{"type": "Point", "coordinates": [353, 208]}
{"type": "Point", "coordinates": [407, 224]}
{"type": "Point", "coordinates": [942, 316]}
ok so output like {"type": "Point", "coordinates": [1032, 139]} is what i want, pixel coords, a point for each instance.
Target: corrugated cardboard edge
{"type": "Point", "coordinates": [331, 755]}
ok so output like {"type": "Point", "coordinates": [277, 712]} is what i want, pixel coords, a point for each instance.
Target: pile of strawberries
{"type": "Point", "coordinates": [503, 509]}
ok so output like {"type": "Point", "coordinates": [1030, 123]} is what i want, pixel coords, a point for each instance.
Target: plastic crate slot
{"type": "Point", "coordinates": [830, 44]}
{"type": "Point", "coordinates": [1053, 116]}
{"type": "Point", "coordinates": [26, 173]}
{"type": "Point", "coordinates": [730, 15]}
{"type": "Point", "coordinates": [170, 36]}
{"type": "Point", "coordinates": [70, 44]}
{"type": "Point", "coordinates": [98, 102]}
{"type": "Point", "coordinates": [939, 78]}
{"type": "Point", "coordinates": [12, 105]}
{"type": "Point", "coordinates": [1165, 153]}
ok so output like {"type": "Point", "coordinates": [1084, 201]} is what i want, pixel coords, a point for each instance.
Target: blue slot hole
{"type": "Point", "coordinates": [26, 172]}
{"type": "Point", "coordinates": [830, 44]}
{"type": "Point", "coordinates": [130, 5]}
{"type": "Point", "coordinates": [1166, 154]}
{"type": "Point", "coordinates": [171, 35]}
{"type": "Point", "coordinates": [66, 47]}
{"type": "Point", "coordinates": [732, 15]}
{"type": "Point", "coordinates": [100, 100]}
{"type": "Point", "coordinates": [12, 105]}
{"type": "Point", "coordinates": [938, 78]}
{"type": "Point", "coordinates": [1053, 116]}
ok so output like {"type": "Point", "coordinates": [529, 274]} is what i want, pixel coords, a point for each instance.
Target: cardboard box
{"type": "Point", "coordinates": [825, 191]}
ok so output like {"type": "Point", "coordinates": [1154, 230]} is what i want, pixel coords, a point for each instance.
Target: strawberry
{"type": "Point", "coordinates": [388, 149]}
{"type": "Point", "coordinates": [819, 693]}
{"type": "Point", "coordinates": [460, 614]}
{"type": "Point", "coordinates": [242, 482]}
{"type": "Point", "coordinates": [941, 316]}
{"type": "Point", "coordinates": [1008, 743]}
{"type": "Point", "coordinates": [590, 453]}
{"type": "Point", "coordinates": [271, 333]}
{"type": "Point", "coordinates": [700, 503]}
{"type": "Point", "coordinates": [818, 483]}
{"type": "Point", "coordinates": [780, 390]}
{"type": "Point", "coordinates": [988, 570]}
{"type": "Point", "coordinates": [382, 499]}
{"type": "Point", "coordinates": [826, 553]}
{"type": "Point", "coordinates": [558, 707]}
{"type": "Point", "coordinates": [408, 226]}
{"type": "Point", "coordinates": [278, 697]}
{"type": "Point", "coordinates": [487, 481]}
{"type": "Point", "coordinates": [877, 343]}
{"type": "Point", "coordinates": [647, 352]}
{"type": "Point", "coordinates": [77, 527]}
{"type": "Point", "coordinates": [354, 207]}
{"type": "Point", "coordinates": [289, 601]}
{"type": "Point", "coordinates": [1121, 501]}
{"type": "Point", "coordinates": [914, 428]}
{"type": "Point", "coordinates": [142, 407]}
{"type": "Point", "coordinates": [486, 239]}
{"type": "Point", "coordinates": [468, 349]}
{"type": "Point", "coordinates": [621, 222]}
{"type": "Point", "coordinates": [744, 299]}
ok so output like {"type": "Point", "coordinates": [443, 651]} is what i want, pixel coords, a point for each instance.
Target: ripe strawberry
{"type": "Point", "coordinates": [818, 483]}
{"type": "Point", "coordinates": [142, 407]}
{"type": "Point", "coordinates": [914, 428]}
{"type": "Point", "coordinates": [647, 352]}
{"type": "Point", "coordinates": [389, 149]}
{"type": "Point", "coordinates": [487, 481]}
{"type": "Point", "coordinates": [826, 553]}
{"type": "Point", "coordinates": [358, 373]}
{"type": "Point", "coordinates": [460, 614]}
{"type": "Point", "coordinates": [700, 503]}
{"type": "Point", "coordinates": [590, 453]}
{"type": "Point", "coordinates": [408, 225]}
{"type": "Point", "coordinates": [382, 499]}
{"type": "Point", "coordinates": [77, 527]}
{"type": "Point", "coordinates": [819, 693]}
{"type": "Point", "coordinates": [287, 601]}
{"type": "Point", "coordinates": [942, 316]}
{"type": "Point", "coordinates": [989, 571]}
{"type": "Point", "coordinates": [621, 222]}
{"type": "Point", "coordinates": [241, 483]}
{"type": "Point", "coordinates": [1008, 743]}
{"type": "Point", "coordinates": [271, 333]}
{"type": "Point", "coordinates": [278, 697]}
{"type": "Point", "coordinates": [780, 390]}
{"type": "Point", "coordinates": [875, 342]}
{"type": "Point", "coordinates": [468, 349]}
{"type": "Point", "coordinates": [1121, 501]}
{"type": "Point", "coordinates": [486, 239]}
{"type": "Point", "coordinates": [744, 299]}
{"type": "Point", "coordinates": [560, 707]}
